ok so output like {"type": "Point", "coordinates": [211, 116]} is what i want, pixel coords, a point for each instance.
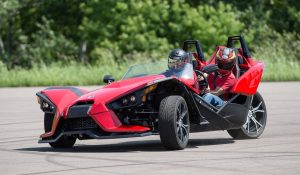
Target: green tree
{"type": "Point", "coordinates": [155, 26]}
{"type": "Point", "coordinates": [94, 31]}
{"type": "Point", "coordinates": [10, 32]}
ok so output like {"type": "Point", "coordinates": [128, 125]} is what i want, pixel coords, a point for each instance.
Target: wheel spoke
{"type": "Point", "coordinates": [248, 126]}
{"type": "Point", "coordinates": [185, 133]}
{"type": "Point", "coordinates": [185, 136]}
{"type": "Point", "coordinates": [245, 125]}
{"type": "Point", "coordinates": [178, 127]}
{"type": "Point", "coordinates": [183, 114]}
{"type": "Point", "coordinates": [181, 134]}
{"type": "Point", "coordinates": [179, 109]}
{"type": "Point", "coordinates": [185, 128]}
{"type": "Point", "coordinates": [255, 121]}
{"type": "Point", "coordinates": [178, 112]}
{"type": "Point", "coordinates": [256, 108]}
{"type": "Point", "coordinates": [259, 111]}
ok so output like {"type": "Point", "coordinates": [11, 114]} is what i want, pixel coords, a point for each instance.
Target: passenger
{"type": "Point", "coordinates": [221, 81]}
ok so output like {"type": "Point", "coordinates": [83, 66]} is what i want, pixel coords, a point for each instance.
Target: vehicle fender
{"type": "Point", "coordinates": [61, 97]}
{"type": "Point", "coordinates": [248, 83]}
{"type": "Point", "coordinates": [188, 91]}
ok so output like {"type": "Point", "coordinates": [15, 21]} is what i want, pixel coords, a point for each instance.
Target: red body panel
{"type": "Point", "coordinates": [248, 83]}
{"type": "Point", "coordinates": [191, 83]}
{"type": "Point", "coordinates": [63, 99]}
{"type": "Point", "coordinates": [115, 90]}
{"type": "Point", "coordinates": [54, 125]}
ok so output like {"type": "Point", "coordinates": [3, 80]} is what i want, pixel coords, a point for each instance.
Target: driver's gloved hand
{"type": "Point", "coordinates": [204, 91]}
{"type": "Point", "coordinates": [207, 90]}
{"type": "Point", "coordinates": [200, 78]}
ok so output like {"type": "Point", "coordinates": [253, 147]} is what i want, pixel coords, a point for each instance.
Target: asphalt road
{"type": "Point", "coordinates": [276, 152]}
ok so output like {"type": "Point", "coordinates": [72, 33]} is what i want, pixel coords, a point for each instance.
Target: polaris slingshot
{"type": "Point", "coordinates": [148, 101]}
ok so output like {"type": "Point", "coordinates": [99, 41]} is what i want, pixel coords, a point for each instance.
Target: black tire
{"type": "Point", "coordinates": [256, 120]}
{"type": "Point", "coordinates": [64, 141]}
{"type": "Point", "coordinates": [174, 124]}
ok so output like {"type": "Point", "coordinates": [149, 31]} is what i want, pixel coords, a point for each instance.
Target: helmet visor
{"type": "Point", "coordinates": [225, 64]}
{"type": "Point", "coordinates": [176, 63]}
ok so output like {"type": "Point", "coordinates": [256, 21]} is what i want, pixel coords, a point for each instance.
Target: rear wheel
{"type": "Point", "coordinates": [256, 120]}
{"type": "Point", "coordinates": [64, 141]}
{"type": "Point", "coordinates": [174, 125]}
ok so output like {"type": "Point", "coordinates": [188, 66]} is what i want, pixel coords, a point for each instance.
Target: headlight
{"type": "Point", "coordinates": [46, 107]}
{"type": "Point", "coordinates": [124, 101]}
{"type": "Point", "coordinates": [132, 99]}
{"type": "Point", "coordinates": [45, 104]}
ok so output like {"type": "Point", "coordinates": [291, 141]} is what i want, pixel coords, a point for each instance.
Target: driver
{"type": "Point", "coordinates": [177, 60]}
{"type": "Point", "coordinates": [221, 81]}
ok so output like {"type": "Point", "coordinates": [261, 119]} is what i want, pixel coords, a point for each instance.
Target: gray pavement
{"type": "Point", "coordinates": [276, 152]}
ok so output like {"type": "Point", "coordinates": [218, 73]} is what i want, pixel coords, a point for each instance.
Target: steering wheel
{"type": "Point", "coordinates": [204, 82]}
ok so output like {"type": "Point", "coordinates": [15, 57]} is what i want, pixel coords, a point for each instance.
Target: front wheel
{"type": "Point", "coordinates": [64, 141]}
{"type": "Point", "coordinates": [256, 120]}
{"type": "Point", "coordinates": [174, 125]}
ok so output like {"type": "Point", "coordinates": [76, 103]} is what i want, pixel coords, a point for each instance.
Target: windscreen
{"type": "Point", "coordinates": [140, 70]}
{"type": "Point", "coordinates": [185, 71]}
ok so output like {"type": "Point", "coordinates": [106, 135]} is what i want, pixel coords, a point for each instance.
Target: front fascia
{"type": "Point", "coordinates": [109, 122]}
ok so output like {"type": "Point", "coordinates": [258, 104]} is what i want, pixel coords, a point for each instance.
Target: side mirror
{"type": "Point", "coordinates": [108, 79]}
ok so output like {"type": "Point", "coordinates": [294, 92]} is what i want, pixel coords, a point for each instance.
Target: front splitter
{"type": "Point", "coordinates": [93, 135]}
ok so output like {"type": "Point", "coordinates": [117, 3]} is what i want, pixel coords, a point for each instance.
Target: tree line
{"type": "Point", "coordinates": [34, 32]}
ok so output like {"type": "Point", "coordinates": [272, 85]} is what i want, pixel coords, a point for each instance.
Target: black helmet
{"type": "Point", "coordinates": [177, 58]}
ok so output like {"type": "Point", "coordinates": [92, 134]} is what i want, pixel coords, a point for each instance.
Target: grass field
{"type": "Point", "coordinates": [76, 74]}
{"type": "Point", "coordinates": [282, 71]}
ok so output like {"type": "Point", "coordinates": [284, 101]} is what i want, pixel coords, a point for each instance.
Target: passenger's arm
{"type": "Point", "coordinates": [218, 91]}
